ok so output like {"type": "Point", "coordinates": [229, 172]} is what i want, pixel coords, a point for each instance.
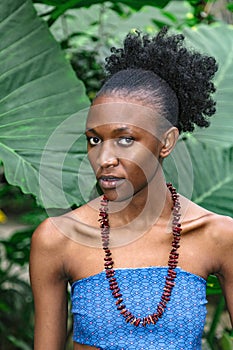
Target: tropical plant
{"type": "Point", "coordinates": [47, 162]}
{"type": "Point", "coordinates": [15, 293]}
{"type": "Point", "coordinates": [43, 107]}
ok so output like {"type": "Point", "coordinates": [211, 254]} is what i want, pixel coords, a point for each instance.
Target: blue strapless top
{"type": "Point", "coordinates": [97, 321]}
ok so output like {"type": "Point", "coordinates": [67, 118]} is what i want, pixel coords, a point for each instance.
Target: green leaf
{"type": "Point", "coordinates": [213, 286]}
{"type": "Point", "coordinates": [202, 165]}
{"type": "Point", "coordinates": [230, 7]}
{"type": "Point", "coordinates": [217, 41]}
{"type": "Point", "coordinates": [41, 142]}
{"type": "Point", "coordinates": [62, 6]}
{"type": "Point", "coordinates": [203, 173]}
{"type": "Point", "coordinates": [17, 247]}
{"type": "Point", "coordinates": [18, 343]}
{"type": "Point", "coordinates": [39, 94]}
{"type": "Point", "coordinates": [136, 4]}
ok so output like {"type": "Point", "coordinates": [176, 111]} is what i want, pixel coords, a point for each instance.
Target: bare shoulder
{"type": "Point", "coordinates": [54, 230]}
{"type": "Point", "coordinates": [48, 235]}
{"type": "Point", "coordinates": [214, 227]}
{"type": "Point", "coordinates": [221, 229]}
{"type": "Point", "coordinates": [193, 212]}
{"type": "Point", "coordinates": [79, 226]}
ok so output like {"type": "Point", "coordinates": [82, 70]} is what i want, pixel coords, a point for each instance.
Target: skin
{"type": "Point", "coordinates": [134, 155]}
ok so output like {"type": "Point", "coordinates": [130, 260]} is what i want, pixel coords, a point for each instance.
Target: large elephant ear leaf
{"type": "Point", "coordinates": [202, 164]}
{"type": "Point", "coordinates": [217, 41]}
{"type": "Point", "coordinates": [39, 94]}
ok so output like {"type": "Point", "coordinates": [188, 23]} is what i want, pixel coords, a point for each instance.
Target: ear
{"type": "Point", "coordinates": [168, 141]}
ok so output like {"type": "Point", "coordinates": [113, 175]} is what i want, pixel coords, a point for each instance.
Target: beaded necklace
{"type": "Point", "coordinates": [172, 264]}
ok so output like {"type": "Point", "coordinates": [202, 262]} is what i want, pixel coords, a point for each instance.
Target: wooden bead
{"type": "Point", "coordinates": [137, 322]}
{"type": "Point", "coordinates": [119, 301]}
{"type": "Point", "coordinates": [172, 263]}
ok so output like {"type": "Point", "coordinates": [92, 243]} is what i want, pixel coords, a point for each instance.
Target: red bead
{"type": "Point", "coordinates": [164, 297]}
{"type": "Point", "coordinates": [113, 284]}
{"type": "Point", "coordinates": [137, 322]}
{"type": "Point", "coordinates": [172, 263]}
{"type": "Point", "coordinates": [160, 313]}
{"type": "Point", "coordinates": [129, 318]}
{"type": "Point", "coordinates": [166, 294]}
{"type": "Point", "coordinates": [172, 266]}
{"type": "Point", "coordinates": [133, 320]}
{"type": "Point", "coordinates": [110, 273]}
{"type": "Point", "coordinates": [171, 273]}
{"type": "Point", "coordinates": [117, 295]}
{"type": "Point", "coordinates": [116, 291]}
{"type": "Point", "coordinates": [107, 259]}
{"type": "Point", "coordinates": [113, 287]}
{"type": "Point", "coordinates": [163, 304]}
{"type": "Point", "coordinates": [119, 301]}
{"type": "Point", "coordinates": [121, 307]}
{"type": "Point", "coordinates": [105, 230]}
{"type": "Point", "coordinates": [127, 313]}
{"type": "Point", "coordinates": [108, 267]}
{"type": "Point", "coordinates": [112, 280]}
{"type": "Point", "coordinates": [123, 312]}
{"type": "Point", "coordinates": [177, 229]}
{"type": "Point", "coordinates": [169, 283]}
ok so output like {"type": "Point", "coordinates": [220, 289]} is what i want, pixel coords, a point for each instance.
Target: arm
{"type": "Point", "coordinates": [225, 274]}
{"type": "Point", "coordinates": [49, 288]}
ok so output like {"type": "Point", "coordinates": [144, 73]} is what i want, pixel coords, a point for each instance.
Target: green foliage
{"type": "Point", "coordinates": [16, 303]}
{"type": "Point", "coordinates": [60, 7]}
{"type": "Point", "coordinates": [86, 66]}
{"type": "Point", "coordinates": [193, 12]}
{"type": "Point", "coordinates": [40, 92]}
{"type": "Point", "coordinates": [199, 12]}
{"type": "Point", "coordinates": [17, 247]}
{"type": "Point", "coordinates": [213, 286]}
{"type": "Point", "coordinates": [15, 294]}
{"type": "Point", "coordinates": [48, 163]}
{"type": "Point", "coordinates": [41, 142]}
{"type": "Point", "coordinates": [207, 166]}
{"type": "Point", "coordinates": [12, 200]}
{"type": "Point", "coordinates": [230, 7]}
{"type": "Point", "coordinates": [226, 341]}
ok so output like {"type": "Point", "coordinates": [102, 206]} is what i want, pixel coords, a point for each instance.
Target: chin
{"type": "Point", "coordinates": [117, 196]}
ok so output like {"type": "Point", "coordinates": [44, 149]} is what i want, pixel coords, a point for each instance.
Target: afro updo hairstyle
{"type": "Point", "coordinates": [162, 73]}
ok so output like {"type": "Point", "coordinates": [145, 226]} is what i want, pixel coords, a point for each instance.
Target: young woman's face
{"type": "Point", "coordinates": [123, 146]}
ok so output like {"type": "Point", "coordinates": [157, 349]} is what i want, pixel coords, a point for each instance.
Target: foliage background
{"type": "Point", "coordinates": [42, 114]}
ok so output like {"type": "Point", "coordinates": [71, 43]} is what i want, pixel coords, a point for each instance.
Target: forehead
{"type": "Point", "coordinates": [124, 114]}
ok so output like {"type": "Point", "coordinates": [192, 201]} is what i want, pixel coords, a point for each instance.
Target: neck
{"type": "Point", "coordinates": [144, 208]}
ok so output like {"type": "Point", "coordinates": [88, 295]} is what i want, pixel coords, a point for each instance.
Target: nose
{"type": "Point", "coordinates": [107, 157]}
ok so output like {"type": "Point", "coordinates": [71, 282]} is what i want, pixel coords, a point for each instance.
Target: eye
{"type": "Point", "coordinates": [126, 141]}
{"type": "Point", "coordinates": [94, 140]}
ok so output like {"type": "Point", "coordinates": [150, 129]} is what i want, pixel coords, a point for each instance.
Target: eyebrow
{"type": "Point", "coordinates": [116, 131]}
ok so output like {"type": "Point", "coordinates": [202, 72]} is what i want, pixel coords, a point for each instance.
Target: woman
{"type": "Point", "coordinates": [156, 248]}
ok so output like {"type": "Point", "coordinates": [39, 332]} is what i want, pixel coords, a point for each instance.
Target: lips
{"type": "Point", "coordinates": [109, 182]}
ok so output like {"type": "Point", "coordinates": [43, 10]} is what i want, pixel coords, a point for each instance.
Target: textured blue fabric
{"type": "Point", "coordinates": [98, 323]}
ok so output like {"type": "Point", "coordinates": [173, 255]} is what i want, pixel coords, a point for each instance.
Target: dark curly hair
{"type": "Point", "coordinates": [163, 73]}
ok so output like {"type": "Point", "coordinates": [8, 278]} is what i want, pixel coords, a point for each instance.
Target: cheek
{"type": "Point", "coordinates": [145, 161]}
{"type": "Point", "coordinates": [92, 157]}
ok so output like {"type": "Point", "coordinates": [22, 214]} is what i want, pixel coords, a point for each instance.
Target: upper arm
{"type": "Point", "coordinates": [49, 289]}
{"type": "Point", "coordinates": [226, 270]}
